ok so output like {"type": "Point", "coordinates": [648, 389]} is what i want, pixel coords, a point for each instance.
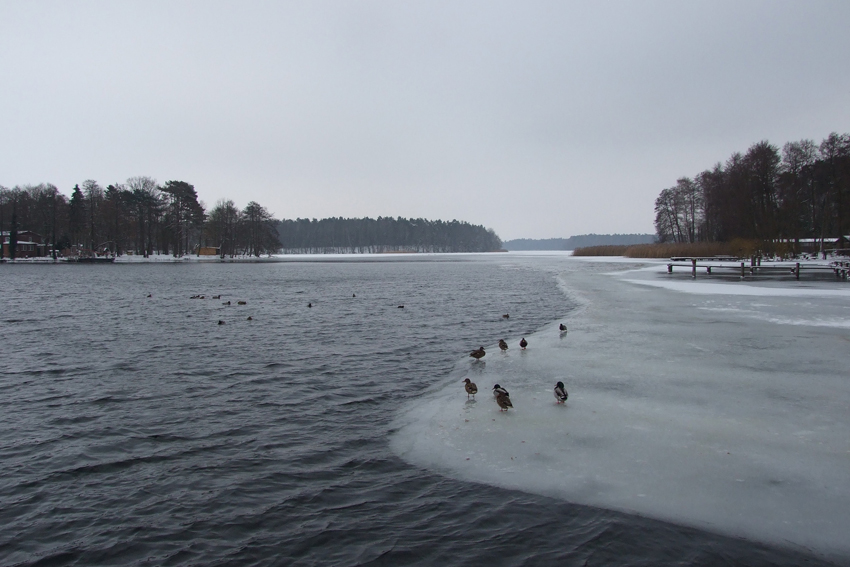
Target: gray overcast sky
{"type": "Point", "coordinates": [537, 119]}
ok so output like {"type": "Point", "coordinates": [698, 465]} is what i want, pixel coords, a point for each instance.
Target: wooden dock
{"type": "Point", "coordinates": [841, 268]}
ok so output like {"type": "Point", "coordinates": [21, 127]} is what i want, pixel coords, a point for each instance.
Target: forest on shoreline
{"type": "Point", "coordinates": [766, 201]}
{"type": "Point", "coordinates": [144, 218]}
{"type": "Point", "coordinates": [773, 197]}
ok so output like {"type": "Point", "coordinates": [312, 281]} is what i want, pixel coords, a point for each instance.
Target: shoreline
{"type": "Point", "coordinates": [276, 258]}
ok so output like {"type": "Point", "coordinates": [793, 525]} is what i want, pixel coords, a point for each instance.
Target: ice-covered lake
{"type": "Point", "coordinates": [719, 404]}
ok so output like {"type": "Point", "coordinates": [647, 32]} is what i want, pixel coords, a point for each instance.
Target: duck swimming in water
{"type": "Point", "coordinates": [523, 343]}
{"type": "Point", "coordinates": [471, 388]}
{"type": "Point", "coordinates": [478, 354]}
{"type": "Point", "coordinates": [561, 393]}
{"type": "Point", "coordinates": [503, 345]}
{"type": "Point", "coordinates": [503, 399]}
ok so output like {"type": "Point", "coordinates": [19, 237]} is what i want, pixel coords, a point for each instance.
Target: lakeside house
{"type": "Point", "coordinates": [29, 245]}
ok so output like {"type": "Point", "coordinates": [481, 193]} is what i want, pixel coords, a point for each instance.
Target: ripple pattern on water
{"type": "Point", "coordinates": [138, 431]}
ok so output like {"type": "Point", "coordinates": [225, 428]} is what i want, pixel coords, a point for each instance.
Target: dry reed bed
{"type": "Point", "coordinates": [738, 247]}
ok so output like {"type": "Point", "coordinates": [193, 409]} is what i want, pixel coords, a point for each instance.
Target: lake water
{"type": "Point", "coordinates": [137, 430]}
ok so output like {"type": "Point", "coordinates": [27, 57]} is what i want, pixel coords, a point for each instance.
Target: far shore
{"type": "Point", "coordinates": [168, 258]}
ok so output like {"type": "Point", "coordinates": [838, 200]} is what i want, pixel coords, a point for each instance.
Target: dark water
{"type": "Point", "coordinates": [138, 431]}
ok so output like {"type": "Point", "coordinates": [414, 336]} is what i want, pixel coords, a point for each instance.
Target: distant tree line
{"type": "Point", "coordinates": [138, 216]}
{"type": "Point", "coordinates": [384, 234]}
{"type": "Point", "coordinates": [577, 241]}
{"type": "Point", "coordinates": [764, 194]}
{"type": "Point", "coordinates": [145, 218]}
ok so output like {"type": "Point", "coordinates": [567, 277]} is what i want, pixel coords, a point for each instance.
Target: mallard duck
{"type": "Point", "coordinates": [478, 354]}
{"type": "Point", "coordinates": [471, 388]}
{"type": "Point", "coordinates": [502, 398]}
{"type": "Point", "coordinates": [561, 393]}
{"type": "Point", "coordinates": [562, 328]}
{"type": "Point", "coordinates": [503, 345]}
{"type": "Point", "coordinates": [241, 303]}
{"type": "Point", "coordinates": [506, 316]}
{"type": "Point", "coordinates": [523, 343]}
{"type": "Point", "coordinates": [309, 305]}
{"type": "Point", "coordinates": [504, 402]}
{"type": "Point", "coordinates": [220, 322]}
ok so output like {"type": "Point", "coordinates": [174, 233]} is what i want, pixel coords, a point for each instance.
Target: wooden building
{"type": "Point", "coordinates": [29, 245]}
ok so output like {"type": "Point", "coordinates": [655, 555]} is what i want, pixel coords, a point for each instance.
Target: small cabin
{"type": "Point", "coordinates": [29, 244]}
{"type": "Point", "coordinates": [209, 251]}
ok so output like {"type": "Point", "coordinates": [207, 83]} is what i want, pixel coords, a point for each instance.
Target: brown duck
{"type": "Point", "coordinates": [503, 345]}
{"type": "Point", "coordinates": [471, 388]}
{"type": "Point", "coordinates": [478, 354]}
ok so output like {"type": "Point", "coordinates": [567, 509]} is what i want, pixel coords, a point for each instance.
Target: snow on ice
{"type": "Point", "coordinates": [722, 405]}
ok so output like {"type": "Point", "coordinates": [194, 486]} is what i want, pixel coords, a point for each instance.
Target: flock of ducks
{"type": "Point", "coordinates": [503, 398]}
{"type": "Point", "coordinates": [225, 303]}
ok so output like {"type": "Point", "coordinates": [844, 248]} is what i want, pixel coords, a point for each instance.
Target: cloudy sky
{"type": "Point", "coordinates": [537, 119]}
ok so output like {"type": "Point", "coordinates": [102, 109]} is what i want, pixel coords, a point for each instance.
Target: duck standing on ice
{"type": "Point", "coordinates": [478, 354]}
{"type": "Point", "coordinates": [503, 345]}
{"type": "Point", "coordinates": [561, 393]}
{"type": "Point", "coordinates": [523, 343]}
{"type": "Point", "coordinates": [502, 398]}
{"type": "Point", "coordinates": [562, 328]}
{"type": "Point", "coordinates": [471, 388]}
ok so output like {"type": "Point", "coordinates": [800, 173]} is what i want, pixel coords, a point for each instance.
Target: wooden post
{"type": "Point", "coordinates": [742, 270]}
{"type": "Point", "coordinates": [669, 268]}
{"type": "Point", "coordinates": [797, 271]}
{"type": "Point", "coordinates": [693, 268]}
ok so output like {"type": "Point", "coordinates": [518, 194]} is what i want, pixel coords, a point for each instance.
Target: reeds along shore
{"type": "Point", "coordinates": [738, 247]}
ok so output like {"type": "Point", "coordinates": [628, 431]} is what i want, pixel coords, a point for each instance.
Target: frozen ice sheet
{"type": "Point", "coordinates": [725, 411]}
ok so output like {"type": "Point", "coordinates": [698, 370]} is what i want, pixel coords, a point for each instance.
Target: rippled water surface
{"type": "Point", "coordinates": [138, 430]}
